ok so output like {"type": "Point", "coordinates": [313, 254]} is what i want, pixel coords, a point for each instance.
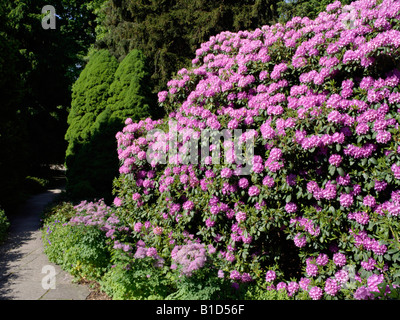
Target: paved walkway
{"type": "Point", "coordinates": [25, 271]}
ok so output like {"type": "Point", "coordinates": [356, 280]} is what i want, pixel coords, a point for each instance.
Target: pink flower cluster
{"type": "Point", "coordinates": [307, 225]}
{"type": "Point", "coordinates": [361, 239]}
{"type": "Point", "coordinates": [100, 215]}
{"type": "Point", "coordinates": [190, 257]}
{"type": "Point", "coordinates": [143, 252]}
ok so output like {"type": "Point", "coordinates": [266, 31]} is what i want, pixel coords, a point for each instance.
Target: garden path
{"type": "Point", "coordinates": [25, 271]}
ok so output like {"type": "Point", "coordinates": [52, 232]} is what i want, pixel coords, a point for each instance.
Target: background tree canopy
{"type": "Point", "coordinates": [38, 67]}
{"type": "Point", "coordinates": [168, 32]}
{"type": "Point", "coordinates": [13, 133]}
{"type": "Point", "coordinates": [51, 62]}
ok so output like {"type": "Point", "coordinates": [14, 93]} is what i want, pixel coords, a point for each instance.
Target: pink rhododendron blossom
{"type": "Point", "coordinates": [270, 276]}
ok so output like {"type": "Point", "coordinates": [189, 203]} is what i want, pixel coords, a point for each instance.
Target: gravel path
{"type": "Point", "coordinates": [25, 271]}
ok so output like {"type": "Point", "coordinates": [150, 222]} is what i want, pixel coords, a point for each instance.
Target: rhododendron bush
{"type": "Point", "coordinates": [313, 110]}
{"type": "Point", "coordinates": [319, 100]}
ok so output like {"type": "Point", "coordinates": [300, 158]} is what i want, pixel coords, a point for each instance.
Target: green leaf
{"type": "Point", "coordinates": [392, 250]}
{"type": "Point", "coordinates": [341, 171]}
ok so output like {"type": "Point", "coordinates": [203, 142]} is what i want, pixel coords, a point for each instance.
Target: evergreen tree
{"type": "Point", "coordinates": [130, 92]}
{"type": "Point", "coordinates": [169, 31]}
{"type": "Point", "coordinates": [129, 97]}
{"type": "Point", "coordinates": [104, 96]}
{"type": "Point", "coordinates": [89, 98]}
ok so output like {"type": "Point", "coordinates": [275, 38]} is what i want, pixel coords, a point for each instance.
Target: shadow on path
{"type": "Point", "coordinates": [22, 258]}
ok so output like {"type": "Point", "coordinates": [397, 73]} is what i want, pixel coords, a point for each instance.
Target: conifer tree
{"type": "Point", "coordinates": [130, 92]}
{"type": "Point", "coordinates": [89, 97]}
{"type": "Point", "coordinates": [104, 96]}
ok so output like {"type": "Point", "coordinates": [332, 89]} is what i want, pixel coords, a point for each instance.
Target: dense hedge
{"type": "Point", "coordinates": [317, 215]}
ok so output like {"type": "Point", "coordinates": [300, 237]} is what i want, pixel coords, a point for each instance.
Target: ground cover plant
{"type": "Point", "coordinates": [315, 105]}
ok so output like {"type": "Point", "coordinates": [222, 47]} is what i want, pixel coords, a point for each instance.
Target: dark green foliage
{"type": "Point", "coordinates": [89, 99]}
{"type": "Point", "coordinates": [81, 250]}
{"type": "Point", "coordinates": [4, 225]}
{"type": "Point", "coordinates": [35, 185]}
{"type": "Point", "coordinates": [51, 62]}
{"type": "Point", "coordinates": [130, 91]}
{"type": "Point", "coordinates": [13, 133]}
{"type": "Point", "coordinates": [104, 96]}
{"type": "Point", "coordinates": [169, 31]}
{"type": "Point", "coordinates": [37, 69]}
{"type": "Point", "coordinates": [129, 279]}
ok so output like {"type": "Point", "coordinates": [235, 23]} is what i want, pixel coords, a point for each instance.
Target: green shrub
{"type": "Point", "coordinates": [204, 284]}
{"type": "Point", "coordinates": [4, 225]}
{"type": "Point", "coordinates": [89, 257]}
{"type": "Point", "coordinates": [81, 250]}
{"type": "Point", "coordinates": [129, 94]}
{"type": "Point", "coordinates": [135, 279]}
{"type": "Point", "coordinates": [259, 292]}
{"type": "Point", "coordinates": [89, 96]}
